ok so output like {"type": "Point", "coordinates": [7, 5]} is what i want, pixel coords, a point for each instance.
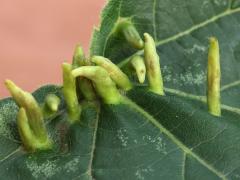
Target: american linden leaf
{"type": "Point", "coordinates": [146, 136]}
{"type": "Point", "coordinates": [181, 29]}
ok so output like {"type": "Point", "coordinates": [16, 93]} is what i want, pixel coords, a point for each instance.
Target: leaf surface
{"type": "Point", "coordinates": [146, 136]}
{"type": "Point", "coordinates": [181, 30]}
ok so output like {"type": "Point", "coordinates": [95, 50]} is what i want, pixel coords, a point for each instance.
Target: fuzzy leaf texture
{"type": "Point", "coordinates": [147, 136]}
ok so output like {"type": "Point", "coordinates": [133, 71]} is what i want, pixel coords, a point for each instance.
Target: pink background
{"type": "Point", "coordinates": [36, 36]}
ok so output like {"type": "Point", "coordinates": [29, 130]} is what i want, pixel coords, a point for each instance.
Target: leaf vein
{"type": "Point", "coordinates": [10, 154]}
{"type": "Point", "coordinates": [93, 146]}
{"type": "Point", "coordinates": [230, 85]}
{"type": "Point", "coordinates": [184, 165]}
{"type": "Point", "coordinates": [210, 139]}
{"type": "Point", "coordinates": [201, 99]}
{"type": "Point", "coordinates": [154, 20]}
{"type": "Point", "coordinates": [173, 138]}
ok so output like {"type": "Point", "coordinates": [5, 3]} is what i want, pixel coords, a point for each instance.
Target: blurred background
{"type": "Point", "coordinates": [36, 36]}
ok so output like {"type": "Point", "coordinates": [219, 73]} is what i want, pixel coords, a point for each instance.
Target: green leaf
{"type": "Point", "coordinates": [147, 136]}
{"type": "Point", "coordinates": [181, 29]}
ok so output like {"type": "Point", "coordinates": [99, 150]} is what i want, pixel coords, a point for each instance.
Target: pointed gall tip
{"type": "Point", "coordinates": [141, 44]}
{"type": "Point", "coordinates": [11, 86]}
{"type": "Point", "coordinates": [148, 39]}
{"type": "Point", "coordinates": [213, 39]}
{"type": "Point", "coordinates": [54, 107]}
{"type": "Point", "coordinates": [66, 67]}
{"type": "Point", "coordinates": [78, 46]}
{"type": "Point", "coordinates": [65, 64]}
{"type": "Point", "coordinates": [141, 76]}
{"type": "Point", "coordinates": [78, 50]}
{"type": "Point", "coordinates": [146, 35]}
{"type": "Point", "coordinates": [8, 82]}
{"type": "Point", "coordinates": [213, 42]}
{"type": "Point", "coordinates": [52, 101]}
{"type": "Point", "coordinates": [138, 64]}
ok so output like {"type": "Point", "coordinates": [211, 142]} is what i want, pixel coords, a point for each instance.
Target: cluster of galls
{"type": "Point", "coordinates": [98, 77]}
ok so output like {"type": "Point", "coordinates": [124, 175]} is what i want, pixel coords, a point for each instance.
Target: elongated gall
{"type": "Point", "coordinates": [125, 27]}
{"type": "Point", "coordinates": [152, 62]}
{"type": "Point", "coordinates": [25, 131]}
{"type": "Point", "coordinates": [214, 78]}
{"type": "Point", "coordinates": [137, 62]}
{"type": "Point", "coordinates": [86, 88]}
{"type": "Point", "coordinates": [33, 110]}
{"type": "Point", "coordinates": [30, 141]}
{"type": "Point", "coordinates": [104, 85]}
{"type": "Point", "coordinates": [30, 120]}
{"type": "Point", "coordinates": [70, 93]}
{"type": "Point", "coordinates": [114, 71]}
{"type": "Point", "coordinates": [51, 105]}
{"type": "Point", "coordinates": [83, 85]}
{"type": "Point", "coordinates": [78, 57]}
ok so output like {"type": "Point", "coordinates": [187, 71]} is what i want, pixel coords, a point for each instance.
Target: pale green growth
{"type": "Point", "coordinates": [104, 85]}
{"type": "Point", "coordinates": [78, 57]}
{"type": "Point", "coordinates": [70, 93]}
{"type": "Point", "coordinates": [30, 141]}
{"type": "Point", "coordinates": [152, 62]}
{"type": "Point", "coordinates": [214, 77]}
{"type": "Point", "coordinates": [25, 132]}
{"type": "Point", "coordinates": [86, 89]}
{"type": "Point", "coordinates": [114, 71]}
{"type": "Point", "coordinates": [83, 84]}
{"type": "Point", "coordinates": [33, 110]}
{"type": "Point", "coordinates": [137, 62]}
{"type": "Point", "coordinates": [50, 106]}
{"type": "Point", "coordinates": [125, 27]}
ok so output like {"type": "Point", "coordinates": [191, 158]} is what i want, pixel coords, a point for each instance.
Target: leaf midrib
{"type": "Point", "coordinates": [89, 171]}
{"type": "Point", "coordinates": [185, 149]}
{"type": "Point", "coordinates": [93, 145]}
